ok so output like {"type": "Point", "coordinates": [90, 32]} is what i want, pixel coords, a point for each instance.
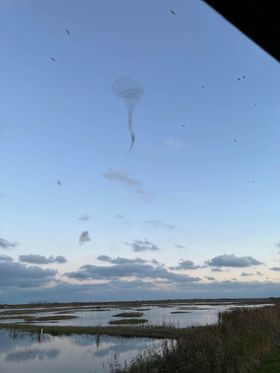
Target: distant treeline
{"type": "Point", "coordinates": [148, 302]}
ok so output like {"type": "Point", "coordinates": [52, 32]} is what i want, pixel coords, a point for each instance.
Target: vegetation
{"type": "Point", "coordinates": [148, 331]}
{"type": "Point", "coordinates": [28, 318]}
{"type": "Point", "coordinates": [271, 363]}
{"type": "Point", "coordinates": [129, 314]}
{"type": "Point", "coordinates": [127, 321]}
{"type": "Point", "coordinates": [236, 344]}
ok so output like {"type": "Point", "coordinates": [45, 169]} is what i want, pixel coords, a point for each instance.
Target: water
{"type": "Point", "coordinates": [78, 353]}
{"type": "Point", "coordinates": [156, 315]}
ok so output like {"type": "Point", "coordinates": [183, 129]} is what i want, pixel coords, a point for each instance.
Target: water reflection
{"type": "Point", "coordinates": [69, 354]}
{"type": "Point", "coordinates": [25, 355]}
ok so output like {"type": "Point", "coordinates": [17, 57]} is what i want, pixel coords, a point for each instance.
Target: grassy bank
{"type": "Point", "coordinates": [121, 331]}
{"type": "Point", "coordinates": [236, 344]}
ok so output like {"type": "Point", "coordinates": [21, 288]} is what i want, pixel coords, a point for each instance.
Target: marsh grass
{"type": "Point", "coordinates": [127, 321]}
{"type": "Point", "coordinates": [236, 344]}
{"type": "Point", "coordinates": [28, 318]}
{"type": "Point", "coordinates": [129, 314]}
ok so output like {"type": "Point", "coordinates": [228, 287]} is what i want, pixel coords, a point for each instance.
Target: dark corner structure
{"type": "Point", "coordinates": [258, 19]}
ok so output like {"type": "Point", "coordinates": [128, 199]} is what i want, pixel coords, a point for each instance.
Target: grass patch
{"type": "Point", "coordinates": [127, 321]}
{"type": "Point", "coordinates": [129, 314]}
{"type": "Point", "coordinates": [15, 312]}
{"type": "Point", "coordinates": [271, 363]}
{"type": "Point", "coordinates": [55, 318]}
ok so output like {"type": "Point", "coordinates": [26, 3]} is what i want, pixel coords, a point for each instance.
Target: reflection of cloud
{"type": "Point", "coordinates": [7, 343]}
{"type": "Point", "coordinates": [32, 354]}
{"type": "Point", "coordinates": [185, 264]}
{"type": "Point", "coordinates": [233, 261]}
{"type": "Point", "coordinates": [159, 224]}
{"type": "Point", "coordinates": [40, 259]}
{"type": "Point", "coordinates": [5, 258]}
{"type": "Point", "coordinates": [142, 245]}
{"type": "Point", "coordinates": [4, 244]}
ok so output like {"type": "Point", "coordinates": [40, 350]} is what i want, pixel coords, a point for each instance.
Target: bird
{"type": "Point", "coordinates": [253, 181]}
{"type": "Point", "coordinates": [203, 86]}
{"type": "Point", "coordinates": [53, 59]}
{"type": "Point", "coordinates": [238, 78]}
{"type": "Point", "coordinates": [244, 77]}
{"type": "Point", "coordinates": [68, 32]}
{"type": "Point", "coordinates": [235, 140]}
{"type": "Point", "coordinates": [172, 11]}
{"type": "Point", "coordinates": [58, 182]}
{"type": "Point", "coordinates": [183, 125]}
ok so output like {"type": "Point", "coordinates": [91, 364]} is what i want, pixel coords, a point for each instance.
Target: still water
{"type": "Point", "coordinates": [25, 353]}
{"type": "Point", "coordinates": [179, 315]}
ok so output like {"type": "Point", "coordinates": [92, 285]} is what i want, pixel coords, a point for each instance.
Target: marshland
{"type": "Point", "coordinates": [211, 336]}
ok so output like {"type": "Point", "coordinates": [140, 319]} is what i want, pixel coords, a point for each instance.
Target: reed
{"type": "Point", "coordinates": [236, 344]}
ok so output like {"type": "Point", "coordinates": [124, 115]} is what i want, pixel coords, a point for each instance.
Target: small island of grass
{"type": "Point", "coordinates": [129, 314]}
{"type": "Point", "coordinates": [127, 321]}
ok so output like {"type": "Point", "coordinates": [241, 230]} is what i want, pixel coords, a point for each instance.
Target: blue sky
{"type": "Point", "coordinates": [199, 188]}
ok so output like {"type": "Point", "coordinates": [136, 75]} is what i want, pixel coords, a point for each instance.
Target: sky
{"type": "Point", "coordinates": [192, 211]}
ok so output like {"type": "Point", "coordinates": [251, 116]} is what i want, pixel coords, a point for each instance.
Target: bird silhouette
{"type": "Point", "coordinates": [53, 59]}
{"type": "Point", "coordinates": [172, 11]}
{"type": "Point", "coordinates": [58, 182]}
{"type": "Point", "coordinates": [235, 140]}
{"type": "Point", "coordinates": [244, 77]}
{"type": "Point", "coordinates": [68, 32]}
{"type": "Point", "coordinates": [203, 86]}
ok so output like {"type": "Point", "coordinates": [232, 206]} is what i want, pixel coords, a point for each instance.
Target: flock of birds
{"type": "Point", "coordinates": [130, 94]}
